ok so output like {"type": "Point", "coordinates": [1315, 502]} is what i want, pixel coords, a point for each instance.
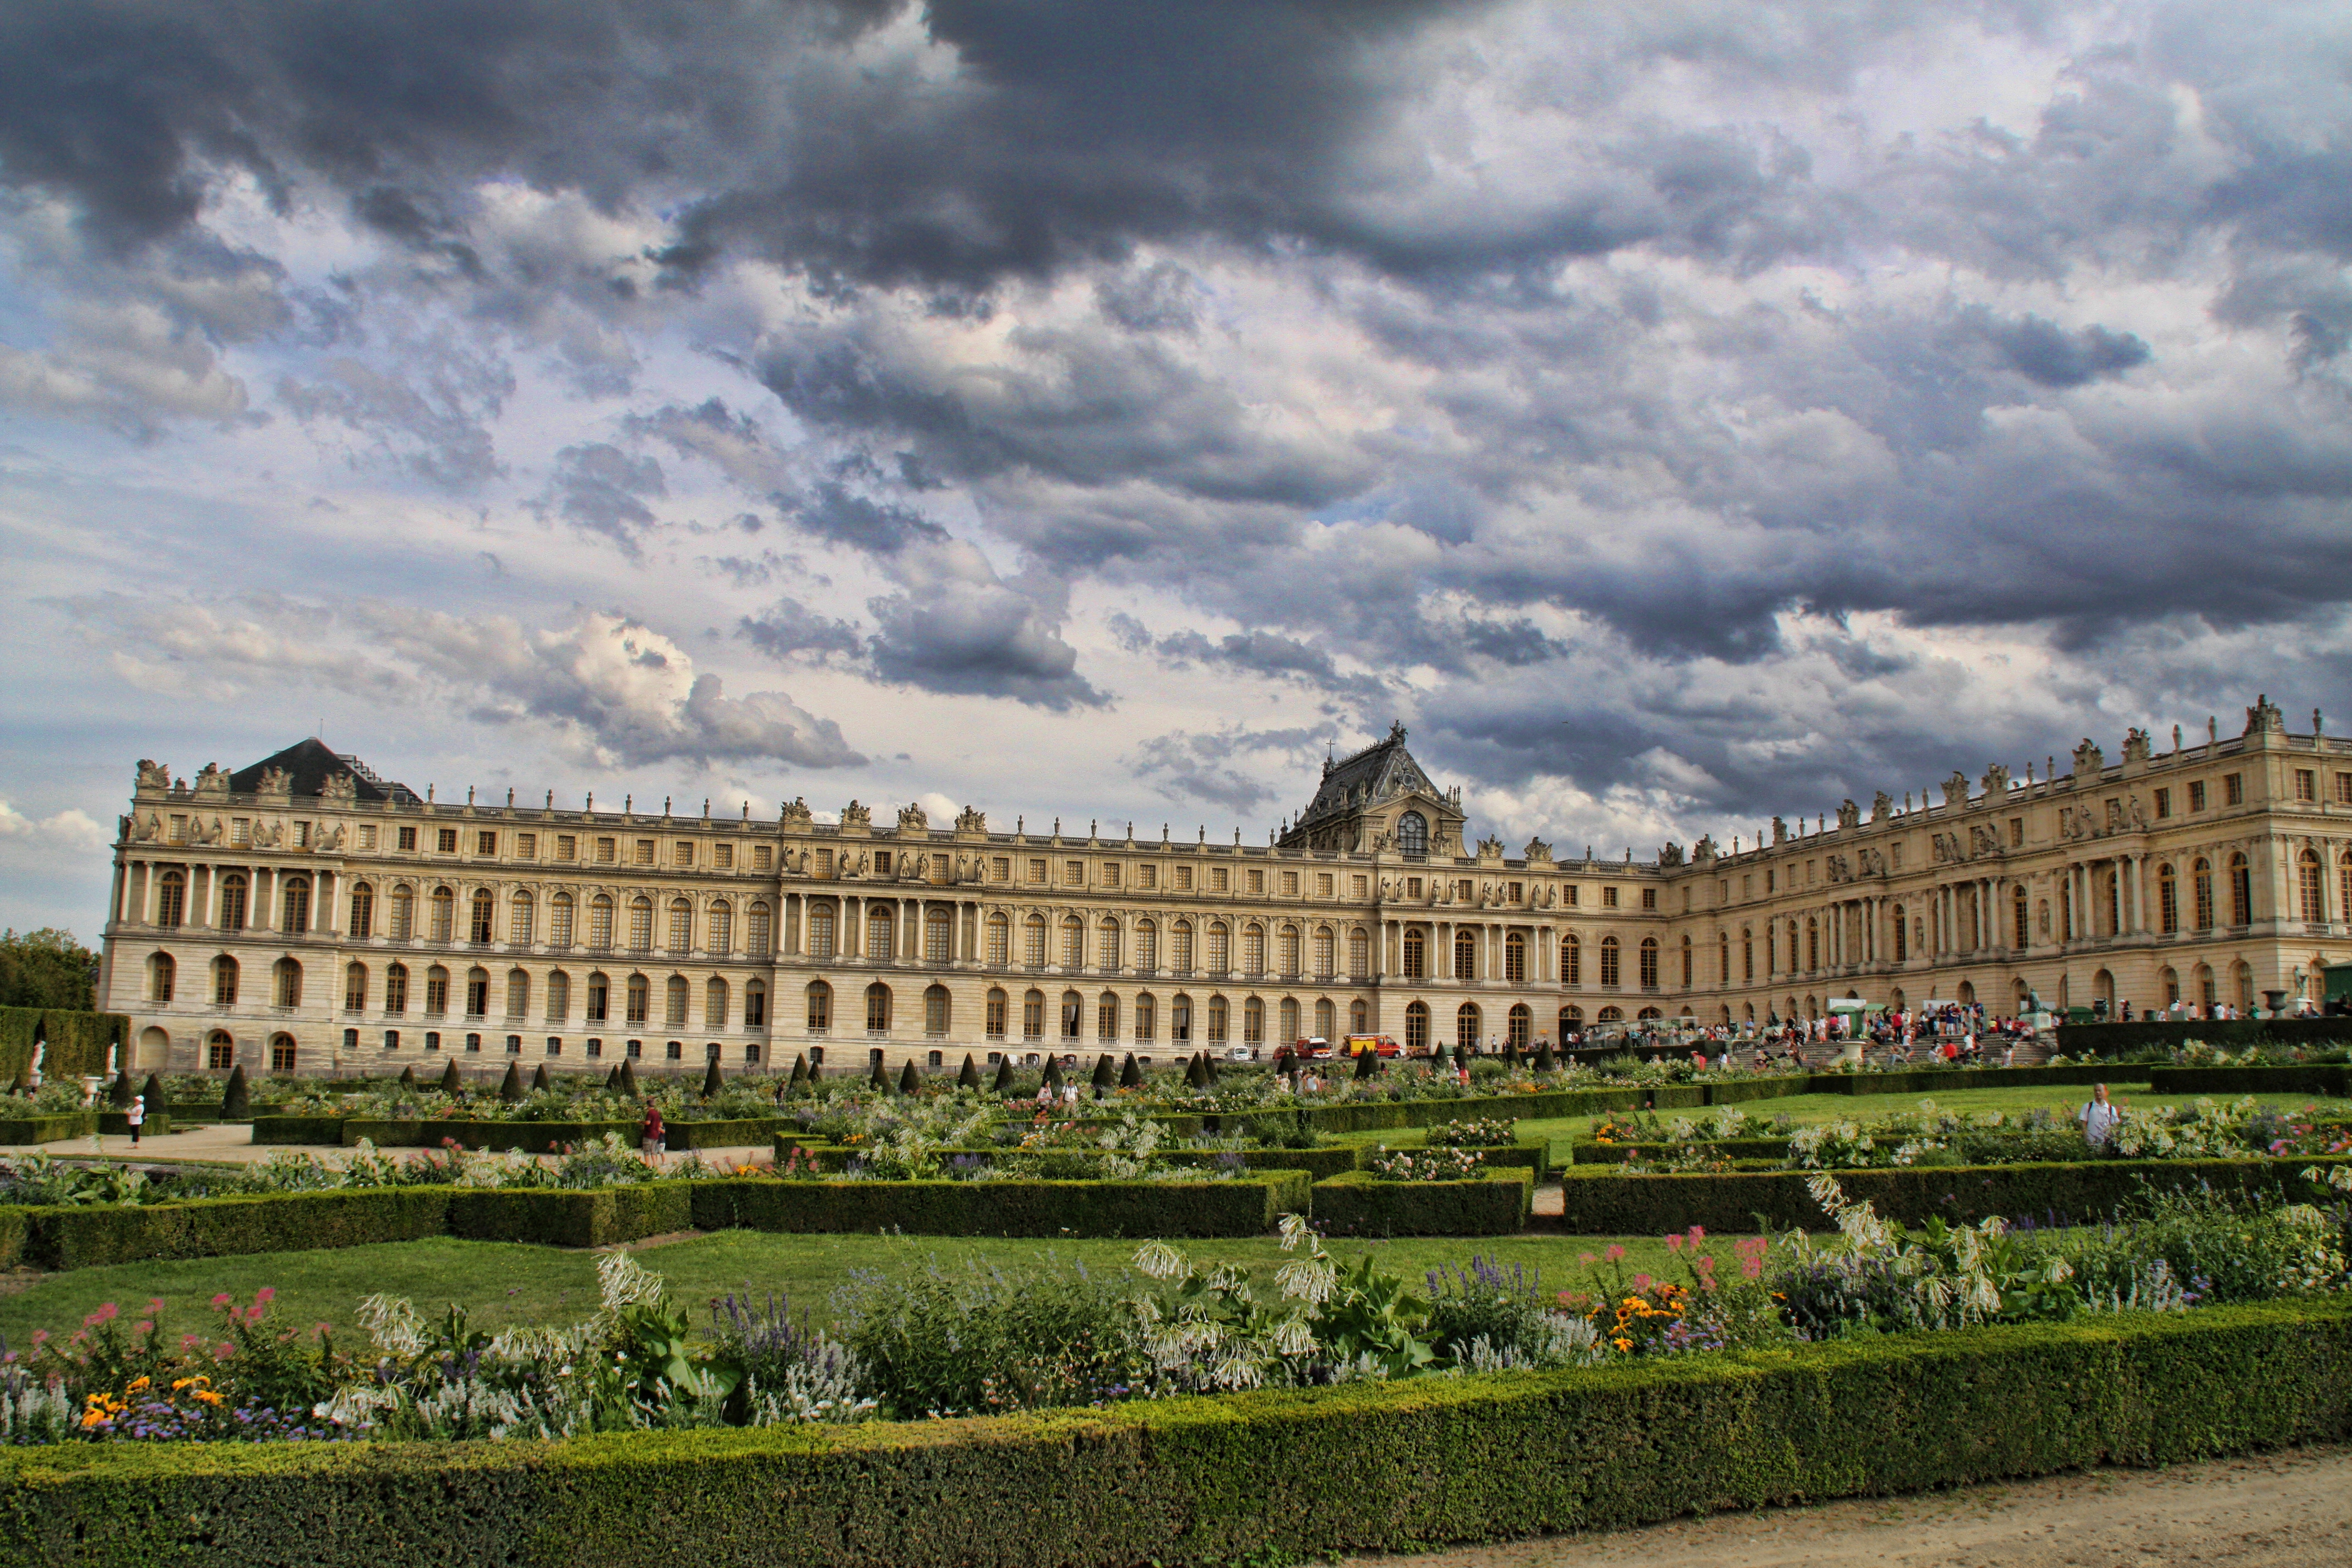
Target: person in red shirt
{"type": "Point", "coordinates": [650, 1132]}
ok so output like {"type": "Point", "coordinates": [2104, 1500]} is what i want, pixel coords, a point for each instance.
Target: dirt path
{"type": "Point", "coordinates": [2288, 1507]}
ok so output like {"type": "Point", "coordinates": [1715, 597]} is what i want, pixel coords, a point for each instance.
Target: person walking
{"type": "Point", "coordinates": [2099, 1120]}
{"type": "Point", "coordinates": [137, 1116]}
{"type": "Point", "coordinates": [650, 1132]}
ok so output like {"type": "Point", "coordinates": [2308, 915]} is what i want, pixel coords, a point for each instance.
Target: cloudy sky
{"type": "Point", "coordinates": [1674, 413]}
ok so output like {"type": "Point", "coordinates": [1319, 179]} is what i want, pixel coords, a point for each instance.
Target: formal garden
{"type": "Point", "coordinates": [1113, 1316]}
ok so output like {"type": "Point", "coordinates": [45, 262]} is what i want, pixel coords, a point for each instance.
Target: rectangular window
{"type": "Point", "coordinates": [2344, 789]}
{"type": "Point", "coordinates": [1074, 873]}
{"type": "Point", "coordinates": [1037, 870]}
{"type": "Point", "coordinates": [824, 863]}
{"type": "Point", "coordinates": [644, 852]}
{"type": "Point", "coordinates": [1649, 898]}
{"type": "Point", "coordinates": [607, 851]}
{"type": "Point", "coordinates": [2233, 789]}
{"type": "Point", "coordinates": [407, 839]}
{"type": "Point", "coordinates": [1147, 877]}
{"type": "Point", "coordinates": [567, 847]}
{"type": "Point", "coordinates": [1217, 877]}
{"type": "Point", "coordinates": [367, 836]}
{"type": "Point", "coordinates": [1517, 892]}
{"type": "Point", "coordinates": [526, 845]}
{"type": "Point", "coordinates": [1323, 884]}
{"type": "Point", "coordinates": [758, 856]}
{"type": "Point", "coordinates": [1183, 878]}
{"type": "Point", "coordinates": [445, 841]}
{"type": "Point", "coordinates": [2197, 795]}
{"type": "Point", "coordinates": [881, 862]}
{"type": "Point", "coordinates": [722, 857]}
{"type": "Point", "coordinates": [2017, 833]}
{"type": "Point", "coordinates": [1110, 875]}
{"type": "Point", "coordinates": [2306, 783]}
{"type": "Point", "coordinates": [1359, 886]}
{"type": "Point", "coordinates": [1257, 881]}
{"type": "Point", "coordinates": [1608, 897]}
{"type": "Point", "coordinates": [2163, 804]}
{"type": "Point", "coordinates": [1412, 886]}
{"type": "Point", "coordinates": [485, 844]}
{"type": "Point", "coordinates": [682, 852]}
{"type": "Point", "coordinates": [240, 834]}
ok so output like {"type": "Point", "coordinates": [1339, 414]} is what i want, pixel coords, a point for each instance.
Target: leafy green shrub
{"type": "Point", "coordinates": [975, 1340]}
{"type": "Point", "coordinates": [1483, 1132]}
{"type": "Point", "coordinates": [1496, 1202]}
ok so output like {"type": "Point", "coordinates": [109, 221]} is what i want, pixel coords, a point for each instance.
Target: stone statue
{"type": "Point", "coordinates": [329, 840]}
{"type": "Point", "coordinates": [2138, 745]}
{"type": "Point", "coordinates": [913, 819]}
{"type": "Point", "coordinates": [857, 815]}
{"type": "Point", "coordinates": [40, 1055]}
{"type": "Point", "coordinates": [275, 781]}
{"type": "Point", "coordinates": [1490, 848]}
{"type": "Point", "coordinates": [1882, 806]}
{"type": "Point", "coordinates": [213, 780]}
{"type": "Point", "coordinates": [1956, 791]}
{"type": "Point", "coordinates": [147, 832]}
{"type": "Point", "coordinates": [200, 834]}
{"type": "Point", "coordinates": [2138, 814]}
{"type": "Point", "coordinates": [2266, 715]}
{"type": "Point", "coordinates": [153, 774]}
{"type": "Point", "coordinates": [971, 821]}
{"type": "Point", "coordinates": [266, 834]}
{"type": "Point", "coordinates": [1537, 852]}
{"type": "Point", "coordinates": [1995, 781]}
{"type": "Point", "coordinates": [1838, 872]}
{"type": "Point", "coordinates": [1983, 840]}
{"type": "Point", "coordinates": [342, 786]}
{"type": "Point", "coordinates": [1704, 852]}
{"type": "Point", "coordinates": [2089, 762]}
{"type": "Point", "coordinates": [1849, 815]}
{"type": "Point", "coordinates": [1670, 853]}
{"type": "Point", "coordinates": [1780, 833]}
{"type": "Point", "coordinates": [796, 815]}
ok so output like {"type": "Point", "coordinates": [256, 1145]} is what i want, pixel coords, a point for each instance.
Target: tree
{"type": "Point", "coordinates": [451, 1084]}
{"type": "Point", "coordinates": [909, 1081]}
{"type": "Point", "coordinates": [969, 1077]}
{"type": "Point", "coordinates": [1004, 1084]}
{"type": "Point", "coordinates": [711, 1081]}
{"type": "Point", "coordinates": [46, 968]}
{"type": "Point", "coordinates": [510, 1086]}
{"type": "Point", "coordinates": [540, 1082]}
{"type": "Point", "coordinates": [237, 1103]}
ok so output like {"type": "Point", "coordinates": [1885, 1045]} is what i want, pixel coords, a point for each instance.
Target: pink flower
{"type": "Point", "coordinates": [221, 1300]}
{"type": "Point", "coordinates": [155, 1306]}
{"type": "Point", "coordinates": [1674, 1244]}
{"type": "Point", "coordinates": [1614, 1253]}
{"type": "Point", "coordinates": [1697, 1232]}
{"type": "Point", "coordinates": [1641, 1282]}
{"type": "Point", "coordinates": [1587, 1257]}
{"type": "Point", "coordinates": [267, 1294]}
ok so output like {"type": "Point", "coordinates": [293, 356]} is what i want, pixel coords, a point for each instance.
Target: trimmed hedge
{"type": "Point", "coordinates": [2231, 1034]}
{"type": "Point", "coordinates": [1242, 1206]}
{"type": "Point", "coordinates": [116, 1125]}
{"type": "Point", "coordinates": [84, 1237]}
{"type": "Point", "coordinates": [2315, 1078]}
{"type": "Point", "coordinates": [49, 1129]}
{"type": "Point", "coordinates": [1727, 1147]}
{"type": "Point", "coordinates": [15, 1231]}
{"type": "Point", "coordinates": [549, 1218]}
{"type": "Point", "coordinates": [78, 1041]}
{"type": "Point", "coordinates": [1359, 1203]}
{"type": "Point", "coordinates": [1317, 1163]}
{"type": "Point", "coordinates": [1430, 1461]}
{"type": "Point", "coordinates": [1600, 1200]}
{"type": "Point", "coordinates": [326, 1130]}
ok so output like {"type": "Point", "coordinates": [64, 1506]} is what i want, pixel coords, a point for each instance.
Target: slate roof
{"type": "Point", "coordinates": [1381, 771]}
{"type": "Point", "coordinates": [309, 764]}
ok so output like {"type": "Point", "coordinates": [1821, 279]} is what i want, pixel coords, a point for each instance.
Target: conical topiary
{"type": "Point", "coordinates": [118, 1092]}
{"type": "Point", "coordinates": [1129, 1074]}
{"type": "Point", "coordinates": [628, 1084]}
{"type": "Point", "coordinates": [1104, 1075]}
{"type": "Point", "coordinates": [1209, 1065]}
{"type": "Point", "coordinates": [540, 1082]}
{"type": "Point", "coordinates": [969, 1077]}
{"type": "Point", "coordinates": [408, 1078]}
{"type": "Point", "coordinates": [152, 1091]}
{"type": "Point", "coordinates": [711, 1081]}
{"type": "Point", "coordinates": [1545, 1060]}
{"type": "Point", "coordinates": [237, 1101]}
{"type": "Point", "coordinates": [877, 1077]}
{"type": "Point", "coordinates": [1368, 1063]}
{"type": "Point", "coordinates": [1054, 1072]}
{"type": "Point", "coordinates": [510, 1086]}
{"type": "Point", "coordinates": [1460, 1056]}
{"type": "Point", "coordinates": [1511, 1053]}
{"type": "Point", "coordinates": [800, 1072]}
{"type": "Point", "coordinates": [1196, 1071]}
{"type": "Point", "coordinates": [909, 1081]}
{"type": "Point", "coordinates": [1004, 1084]}
{"type": "Point", "coordinates": [451, 1083]}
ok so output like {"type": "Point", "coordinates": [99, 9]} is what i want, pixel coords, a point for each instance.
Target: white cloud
{"type": "Point", "coordinates": [71, 828]}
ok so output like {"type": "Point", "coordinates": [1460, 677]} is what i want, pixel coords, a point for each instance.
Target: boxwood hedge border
{"type": "Point", "coordinates": [1430, 1462]}
{"type": "Point", "coordinates": [1359, 1204]}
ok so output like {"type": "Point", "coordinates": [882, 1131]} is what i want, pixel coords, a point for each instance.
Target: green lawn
{"type": "Point", "coordinates": [501, 1283]}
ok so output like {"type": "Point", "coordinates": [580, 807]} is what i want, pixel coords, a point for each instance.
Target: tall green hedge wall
{"type": "Point", "coordinates": [1197, 1481]}
{"type": "Point", "coordinates": [78, 1041]}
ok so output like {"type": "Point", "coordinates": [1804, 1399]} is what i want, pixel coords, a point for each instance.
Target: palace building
{"type": "Point", "coordinates": [304, 915]}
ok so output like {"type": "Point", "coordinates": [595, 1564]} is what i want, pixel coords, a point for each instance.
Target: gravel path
{"type": "Point", "coordinates": [2294, 1506]}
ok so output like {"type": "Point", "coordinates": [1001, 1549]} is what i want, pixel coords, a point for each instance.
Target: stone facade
{"type": "Point", "coordinates": [303, 915]}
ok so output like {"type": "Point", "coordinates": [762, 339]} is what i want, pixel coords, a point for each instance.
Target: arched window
{"type": "Point", "coordinates": [759, 930]}
{"type": "Point", "coordinates": [674, 999]}
{"type": "Point", "coordinates": [2242, 891]}
{"type": "Point", "coordinates": [1609, 966]}
{"type": "Point", "coordinates": [1107, 1017]}
{"type": "Point", "coordinates": [1074, 945]}
{"type": "Point", "coordinates": [559, 997]}
{"type": "Point", "coordinates": [997, 1003]}
{"type": "Point", "coordinates": [445, 915]}
{"type": "Point", "coordinates": [1747, 949]}
{"type": "Point", "coordinates": [1416, 1027]}
{"type": "Point", "coordinates": [881, 929]}
{"type": "Point", "coordinates": [1649, 964]}
{"type": "Point", "coordinates": [362, 911]}
{"type": "Point", "coordinates": [1073, 1014]}
{"type": "Point", "coordinates": [1290, 953]}
{"type": "Point", "coordinates": [1723, 959]}
{"type": "Point", "coordinates": [1521, 1025]}
{"type": "Point", "coordinates": [640, 998]}
{"type": "Point", "coordinates": [1254, 1021]}
{"type": "Point", "coordinates": [477, 920]}
{"type": "Point", "coordinates": [404, 913]}
{"type": "Point", "coordinates": [1360, 954]}
{"type": "Point", "coordinates": [820, 935]}
{"type": "Point", "coordinates": [478, 991]}
{"type": "Point", "coordinates": [1610, 1015]}
{"type": "Point", "coordinates": [1812, 943]}
{"type": "Point", "coordinates": [1515, 958]}
{"type": "Point", "coordinates": [938, 936]}
{"type": "Point", "coordinates": [1180, 1019]}
{"type": "Point", "coordinates": [1146, 947]}
{"type": "Point", "coordinates": [2168, 900]}
{"type": "Point", "coordinates": [1571, 1023]}
{"type": "Point", "coordinates": [282, 1052]}
{"type": "Point", "coordinates": [225, 978]}
{"type": "Point", "coordinates": [2310, 891]}
{"type": "Point", "coordinates": [1220, 948]}
{"type": "Point", "coordinates": [163, 971]}
{"type": "Point", "coordinates": [1146, 1017]}
{"type": "Point", "coordinates": [1413, 833]}
{"type": "Point", "coordinates": [559, 921]}
{"type": "Point", "coordinates": [1218, 1017]}
{"type": "Point", "coordinates": [2344, 889]}
{"type": "Point", "coordinates": [1254, 948]}
{"type": "Point", "coordinates": [172, 898]}
{"type": "Point", "coordinates": [641, 924]}
{"type": "Point", "coordinates": [600, 921]}
{"type": "Point", "coordinates": [1000, 942]}
{"type": "Point", "coordinates": [288, 983]}
{"type": "Point", "coordinates": [935, 1011]}
{"type": "Point", "coordinates": [1686, 964]}
{"type": "Point", "coordinates": [1032, 1013]}
{"type": "Point", "coordinates": [1107, 946]}
{"type": "Point", "coordinates": [1033, 942]}
{"type": "Point", "coordinates": [521, 918]}
{"type": "Point", "coordinates": [355, 987]}
{"type": "Point", "coordinates": [820, 1007]}
{"type": "Point", "coordinates": [1327, 1017]}
{"type": "Point", "coordinates": [681, 927]}
{"type": "Point", "coordinates": [1183, 954]}
{"type": "Point", "coordinates": [2021, 921]}
{"type": "Point", "coordinates": [295, 905]}
{"type": "Point", "coordinates": [2200, 887]}
{"type": "Point", "coordinates": [600, 998]}
{"type": "Point", "coordinates": [233, 904]}
{"type": "Point", "coordinates": [755, 1004]}
{"type": "Point", "coordinates": [1360, 1018]}
{"type": "Point", "coordinates": [715, 1004]}
{"type": "Point", "coordinates": [1465, 1026]}
{"type": "Point", "coordinates": [720, 933]}
{"type": "Point", "coordinates": [1415, 949]}
{"type": "Point", "coordinates": [1466, 955]}
{"type": "Point", "coordinates": [436, 991]}
{"type": "Point", "coordinates": [395, 988]}
{"type": "Point", "coordinates": [1572, 960]}
{"type": "Point", "coordinates": [220, 1051]}
{"type": "Point", "coordinates": [1325, 954]}
{"type": "Point", "coordinates": [518, 994]}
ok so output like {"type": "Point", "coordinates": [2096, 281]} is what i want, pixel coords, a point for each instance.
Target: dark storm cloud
{"type": "Point", "coordinates": [2045, 352]}
{"type": "Point", "coordinates": [601, 488]}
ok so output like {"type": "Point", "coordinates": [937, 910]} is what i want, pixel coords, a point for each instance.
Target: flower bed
{"type": "Point", "coordinates": [1359, 1204]}
{"type": "Point", "coordinates": [1600, 1200]}
{"type": "Point", "coordinates": [1206, 1481]}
